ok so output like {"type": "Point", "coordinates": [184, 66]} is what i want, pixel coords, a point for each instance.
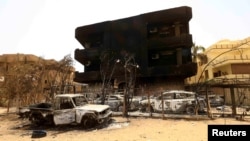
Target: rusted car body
{"type": "Point", "coordinates": [174, 101]}
{"type": "Point", "coordinates": [68, 109]}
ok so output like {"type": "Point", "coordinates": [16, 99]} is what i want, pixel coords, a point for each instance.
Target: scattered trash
{"type": "Point", "coordinates": [117, 125]}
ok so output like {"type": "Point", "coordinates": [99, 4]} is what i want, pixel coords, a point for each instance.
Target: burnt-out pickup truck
{"type": "Point", "coordinates": [69, 109]}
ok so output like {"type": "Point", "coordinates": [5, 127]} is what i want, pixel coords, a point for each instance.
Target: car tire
{"type": "Point", "coordinates": [190, 110]}
{"type": "Point", "coordinates": [88, 121]}
{"type": "Point", "coordinates": [146, 109]}
{"type": "Point", "coordinates": [149, 109]}
{"type": "Point", "coordinates": [132, 106]}
{"type": "Point", "coordinates": [38, 134]}
{"type": "Point", "coordinates": [120, 108]}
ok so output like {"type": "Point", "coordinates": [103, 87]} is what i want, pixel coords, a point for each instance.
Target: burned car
{"type": "Point", "coordinates": [133, 102]}
{"type": "Point", "coordinates": [216, 100]}
{"type": "Point", "coordinates": [174, 101]}
{"type": "Point", "coordinates": [115, 103]}
{"type": "Point", "coordinates": [68, 109]}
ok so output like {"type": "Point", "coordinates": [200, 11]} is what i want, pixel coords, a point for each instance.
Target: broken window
{"type": "Point", "coordinates": [66, 103]}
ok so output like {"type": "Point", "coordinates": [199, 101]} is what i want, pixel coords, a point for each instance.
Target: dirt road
{"type": "Point", "coordinates": [121, 129]}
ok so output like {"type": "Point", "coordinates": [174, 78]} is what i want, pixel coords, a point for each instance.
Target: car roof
{"type": "Point", "coordinates": [179, 91]}
{"type": "Point", "coordinates": [119, 95]}
{"type": "Point", "coordinates": [69, 95]}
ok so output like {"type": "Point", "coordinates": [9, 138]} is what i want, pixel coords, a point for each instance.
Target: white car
{"type": "Point", "coordinates": [174, 101]}
{"type": "Point", "coordinates": [114, 102]}
{"type": "Point", "coordinates": [68, 109]}
{"type": "Point", "coordinates": [134, 102]}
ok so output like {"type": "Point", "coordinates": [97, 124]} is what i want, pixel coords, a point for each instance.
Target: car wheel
{"type": "Point", "coordinates": [132, 106]}
{"type": "Point", "coordinates": [88, 121]}
{"type": "Point", "coordinates": [120, 108]}
{"type": "Point", "coordinates": [190, 110]}
{"type": "Point", "coordinates": [38, 134]}
{"type": "Point", "coordinates": [146, 109]}
{"type": "Point", "coordinates": [37, 119]}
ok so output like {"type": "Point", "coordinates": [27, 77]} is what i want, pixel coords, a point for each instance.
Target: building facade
{"type": "Point", "coordinates": [158, 44]}
{"type": "Point", "coordinates": [225, 70]}
{"type": "Point", "coordinates": [40, 75]}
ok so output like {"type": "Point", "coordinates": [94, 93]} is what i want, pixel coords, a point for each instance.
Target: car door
{"type": "Point", "coordinates": [114, 102]}
{"type": "Point", "coordinates": [167, 100]}
{"type": "Point", "coordinates": [176, 103]}
{"type": "Point", "coordinates": [65, 112]}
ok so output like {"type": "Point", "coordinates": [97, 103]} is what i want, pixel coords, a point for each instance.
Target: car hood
{"type": "Point", "coordinates": [93, 107]}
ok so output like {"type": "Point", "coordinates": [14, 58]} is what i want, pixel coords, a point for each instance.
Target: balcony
{"type": "Point", "coordinates": [230, 59]}
{"type": "Point", "coordinates": [173, 41]}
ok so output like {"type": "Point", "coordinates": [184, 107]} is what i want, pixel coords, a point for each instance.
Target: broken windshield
{"type": "Point", "coordinates": [80, 100]}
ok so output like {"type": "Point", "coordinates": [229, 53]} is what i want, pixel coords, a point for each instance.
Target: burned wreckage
{"type": "Point", "coordinates": [159, 43]}
{"type": "Point", "coordinates": [69, 109]}
{"type": "Point", "coordinates": [175, 101]}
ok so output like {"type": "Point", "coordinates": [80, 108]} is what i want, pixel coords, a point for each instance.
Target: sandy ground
{"type": "Point", "coordinates": [13, 128]}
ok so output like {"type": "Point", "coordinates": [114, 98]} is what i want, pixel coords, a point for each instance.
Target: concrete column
{"type": "Point", "coordinates": [234, 111]}
{"type": "Point", "coordinates": [177, 28]}
{"type": "Point", "coordinates": [179, 56]}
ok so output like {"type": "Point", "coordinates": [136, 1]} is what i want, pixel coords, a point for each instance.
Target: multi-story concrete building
{"type": "Point", "coordinates": [158, 42]}
{"type": "Point", "coordinates": [225, 69]}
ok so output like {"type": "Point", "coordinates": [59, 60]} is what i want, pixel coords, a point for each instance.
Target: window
{"type": "Point", "coordinates": [66, 103]}
{"type": "Point", "coordinates": [206, 74]}
{"type": "Point", "coordinates": [79, 101]}
{"type": "Point", "coordinates": [167, 96]}
{"type": "Point", "coordinates": [155, 56]}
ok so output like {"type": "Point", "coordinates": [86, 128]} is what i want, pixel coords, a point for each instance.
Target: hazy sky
{"type": "Point", "coordinates": [46, 28]}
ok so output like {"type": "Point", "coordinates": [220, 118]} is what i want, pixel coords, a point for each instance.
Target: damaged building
{"type": "Point", "coordinates": [151, 50]}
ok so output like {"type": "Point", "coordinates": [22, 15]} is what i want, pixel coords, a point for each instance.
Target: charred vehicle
{"type": "Point", "coordinates": [114, 102]}
{"type": "Point", "coordinates": [133, 102]}
{"type": "Point", "coordinates": [69, 109]}
{"type": "Point", "coordinates": [174, 101]}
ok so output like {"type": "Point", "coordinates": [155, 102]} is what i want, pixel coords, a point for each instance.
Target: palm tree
{"type": "Point", "coordinates": [197, 51]}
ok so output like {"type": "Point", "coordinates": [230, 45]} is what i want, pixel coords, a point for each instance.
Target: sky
{"type": "Point", "coordinates": [46, 28]}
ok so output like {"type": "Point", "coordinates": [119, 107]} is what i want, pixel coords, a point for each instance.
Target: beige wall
{"type": "Point", "coordinates": [234, 66]}
{"type": "Point", "coordinates": [7, 60]}
{"type": "Point", "coordinates": [237, 52]}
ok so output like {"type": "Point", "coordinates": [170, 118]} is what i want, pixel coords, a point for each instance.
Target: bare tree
{"type": "Point", "coordinates": [106, 69]}
{"type": "Point", "coordinates": [22, 81]}
{"type": "Point", "coordinates": [130, 67]}
{"type": "Point", "coordinates": [25, 81]}
{"type": "Point", "coordinates": [58, 76]}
